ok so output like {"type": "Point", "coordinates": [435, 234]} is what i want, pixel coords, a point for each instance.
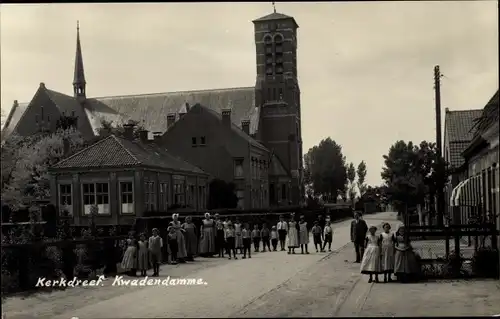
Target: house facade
{"type": "Point", "coordinates": [458, 133]}
{"type": "Point", "coordinates": [125, 178]}
{"type": "Point", "coordinates": [214, 143]}
{"type": "Point", "coordinates": [270, 111]}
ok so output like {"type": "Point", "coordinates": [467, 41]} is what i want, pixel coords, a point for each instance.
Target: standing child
{"type": "Point", "coordinates": [172, 244]}
{"type": "Point", "coordinates": [274, 238]}
{"type": "Point", "coordinates": [230, 240]}
{"type": "Point", "coordinates": [155, 247]}
{"type": "Point", "coordinates": [370, 264]}
{"type": "Point", "coordinates": [293, 235]}
{"type": "Point", "coordinates": [328, 233]}
{"type": "Point", "coordinates": [387, 252]}
{"type": "Point", "coordinates": [246, 235]}
{"type": "Point", "coordinates": [238, 242]}
{"type": "Point", "coordinates": [303, 235]}
{"type": "Point", "coordinates": [256, 237]}
{"type": "Point", "coordinates": [143, 255]}
{"type": "Point", "coordinates": [129, 260]}
{"type": "Point", "coordinates": [264, 234]}
{"type": "Point", "coordinates": [317, 232]}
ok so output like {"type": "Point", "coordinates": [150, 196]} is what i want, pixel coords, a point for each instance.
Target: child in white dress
{"type": "Point", "coordinates": [387, 251]}
{"type": "Point", "coordinates": [370, 264]}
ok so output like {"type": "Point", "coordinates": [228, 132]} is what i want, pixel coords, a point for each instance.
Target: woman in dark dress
{"type": "Point", "coordinates": [191, 238]}
{"type": "Point", "coordinates": [207, 239]}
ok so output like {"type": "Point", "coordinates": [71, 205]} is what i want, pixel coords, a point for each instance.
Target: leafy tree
{"type": "Point", "coordinates": [351, 177]}
{"type": "Point", "coordinates": [326, 169]}
{"type": "Point", "coordinates": [25, 163]}
{"type": "Point", "coordinates": [222, 195]}
{"type": "Point", "coordinates": [412, 173]}
{"type": "Point", "coordinates": [108, 127]}
{"type": "Point", "coordinates": [361, 172]}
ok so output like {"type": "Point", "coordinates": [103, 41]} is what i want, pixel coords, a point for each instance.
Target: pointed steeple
{"type": "Point", "coordinates": [79, 82]}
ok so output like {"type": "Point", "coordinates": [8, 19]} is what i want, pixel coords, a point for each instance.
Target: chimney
{"type": "Point", "coordinates": [128, 131]}
{"type": "Point", "coordinates": [447, 110]}
{"type": "Point", "coordinates": [42, 85]}
{"type": "Point", "coordinates": [66, 147]}
{"type": "Point", "coordinates": [226, 117]}
{"type": "Point", "coordinates": [187, 107]}
{"type": "Point", "coordinates": [245, 126]}
{"type": "Point", "coordinates": [157, 136]}
{"type": "Point", "coordinates": [170, 120]}
{"type": "Point", "coordinates": [143, 136]}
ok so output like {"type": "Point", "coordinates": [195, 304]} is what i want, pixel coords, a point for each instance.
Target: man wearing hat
{"type": "Point", "coordinates": [359, 228]}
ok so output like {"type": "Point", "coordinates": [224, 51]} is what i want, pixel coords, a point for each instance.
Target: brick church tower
{"type": "Point", "coordinates": [277, 94]}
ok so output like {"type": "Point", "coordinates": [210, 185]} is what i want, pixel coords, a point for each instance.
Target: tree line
{"type": "Point", "coordinates": [327, 173]}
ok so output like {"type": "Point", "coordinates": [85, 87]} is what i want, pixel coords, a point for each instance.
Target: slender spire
{"type": "Point", "coordinates": [79, 78]}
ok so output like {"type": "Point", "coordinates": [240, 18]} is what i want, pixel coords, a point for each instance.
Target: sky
{"type": "Point", "coordinates": [365, 68]}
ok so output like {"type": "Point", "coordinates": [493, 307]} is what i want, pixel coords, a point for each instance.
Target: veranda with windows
{"type": "Point", "coordinates": [123, 192]}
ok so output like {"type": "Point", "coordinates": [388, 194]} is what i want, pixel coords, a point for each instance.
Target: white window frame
{"type": "Point", "coordinates": [104, 207]}
{"type": "Point", "coordinates": [62, 205]}
{"type": "Point", "coordinates": [179, 192]}
{"type": "Point", "coordinates": [129, 208]}
{"type": "Point", "coordinates": [164, 195]}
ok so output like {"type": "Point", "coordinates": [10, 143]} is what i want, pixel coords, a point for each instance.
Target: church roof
{"type": "Point", "coordinates": [114, 151]}
{"type": "Point", "coordinates": [151, 110]}
{"type": "Point", "coordinates": [273, 16]}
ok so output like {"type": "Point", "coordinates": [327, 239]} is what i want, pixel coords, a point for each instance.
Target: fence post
{"type": "Point", "coordinates": [447, 241]}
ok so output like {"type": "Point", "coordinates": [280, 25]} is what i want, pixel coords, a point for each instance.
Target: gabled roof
{"type": "Point", "coordinates": [237, 130]}
{"type": "Point", "coordinates": [114, 151]}
{"type": "Point", "coordinates": [151, 110]}
{"type": "Point", "coordinates": [273, 16]}
{"type": "Point", "coordinates": [15, 114]}
{"type": "Point", "coordinates": [459, 129]}
{"type": "Point", "coordinates": [459, 124]}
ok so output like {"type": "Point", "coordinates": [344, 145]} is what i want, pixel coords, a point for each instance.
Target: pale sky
{"type": "Point", "coordinates": [365, 68]}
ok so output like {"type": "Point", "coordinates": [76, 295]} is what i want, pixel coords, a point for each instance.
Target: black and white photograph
{"type": "Point", "coordinates": [243, 160]}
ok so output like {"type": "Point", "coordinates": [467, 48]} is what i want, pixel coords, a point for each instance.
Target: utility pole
{"type": "Point", "coordinates": [439, 145]}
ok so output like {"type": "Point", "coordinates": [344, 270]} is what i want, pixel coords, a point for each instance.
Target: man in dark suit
{"type": "Point", "coordinates": [359, 228]}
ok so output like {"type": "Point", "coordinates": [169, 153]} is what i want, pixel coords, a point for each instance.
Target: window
{"type": "Point", "coordinates": [240, 194]}
{"type": "Point", "coordinates": [126, 198]}
{"type": "Point", "coordinates": [201, 197]}
{"type": "Point", "coordinates": [179, 192]}
{"type": "Point", "coordinates": [269, 71]}
{"type": "Point", "coordinates": [95, 194]}
{"type": "Point", "coordinates": [150, 196]}
{"type": "Point", "coordinates": [193, 141]}
{"type": "Point", "coordinates": [238, 168]}
{"type": "Point", "coordinates": [65, 196]}
{"type": "Point", "coordinates": [192, 196]}
{"type": "Point", "coordinates": [164, 195]}
{"type": "Point", "coordinates": [283, 192]}
{"type": "Point", "coordinates": [202, 140]}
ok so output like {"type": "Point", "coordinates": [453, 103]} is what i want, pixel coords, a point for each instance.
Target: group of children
{"type": "Point", "coordinates": [241, 237]}
{"type": "Point", "coordinates": [387, 254]}
{"type": "Point", "coordinates": [139, 254]}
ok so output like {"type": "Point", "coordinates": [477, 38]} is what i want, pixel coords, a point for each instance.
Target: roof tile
{"type": "Point", "coordinates": [114, 151]}
{"type": "Point", "coordinates": [459, 125]}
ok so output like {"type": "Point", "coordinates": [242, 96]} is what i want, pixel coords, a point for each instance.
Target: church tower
{"type": "Point", "coordinates": [79, 83]}
{"type": "Point", "coordinates": [277, 94]}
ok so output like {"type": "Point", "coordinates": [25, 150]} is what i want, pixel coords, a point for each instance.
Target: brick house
{"type": "Point", "coordinates": [458, 133]}
{"type": "Point", "coordinates": [211, 141]}
{"type": "Point", "coordinates": [271, 108]}
{"type": "Point", "coordinates": [125, 178]}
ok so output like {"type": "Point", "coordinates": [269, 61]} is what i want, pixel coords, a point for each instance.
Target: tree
{"type": "Point", "coordinates": [25, 163]}
{"type": "Point", "coordinates": [222, 195]}
{"type": "Point", "coordinates": [361, 172]}
{"type": "Point", "coordinates": [108, 127]}
{"type": "Point", "coordinates": [413, 173]}
{"type": "Point", "coordinates": [351, 178]}
{"type": "Point", "coordinates": [326, 169]}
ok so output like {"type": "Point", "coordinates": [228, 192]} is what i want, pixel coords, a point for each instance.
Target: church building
{"type": "Point", "coordinates": [265, 118]}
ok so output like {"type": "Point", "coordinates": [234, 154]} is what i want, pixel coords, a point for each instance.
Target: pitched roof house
{"type": "Point", "coordinates": [125, 178]}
